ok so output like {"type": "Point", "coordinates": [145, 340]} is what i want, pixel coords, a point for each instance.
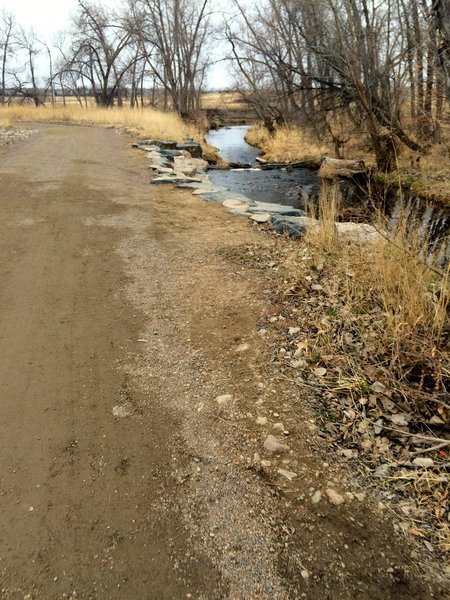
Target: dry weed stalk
{"type": "Point", "coordinates": [394, 279]}
{"type": "Point", "coordinates": [329, 207]}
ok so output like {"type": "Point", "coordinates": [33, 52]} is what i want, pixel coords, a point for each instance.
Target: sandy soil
{"type": "Point", "coordinates": [122, 475]}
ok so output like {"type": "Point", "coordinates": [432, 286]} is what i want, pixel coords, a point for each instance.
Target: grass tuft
{"type": "Point", "coordinates": [288, 144]}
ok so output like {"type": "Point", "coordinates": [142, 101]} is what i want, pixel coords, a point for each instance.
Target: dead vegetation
{"type": "Point", "coordinates": [287, 144]}
{"type": "Point", "coordinates": [146, 122]}
{"type": "Point", "coordinates": [363, 331]}
{"type": "Point", "coordinates": [376, 340]}
{"type": "Point", "coordinates": [142, 123]}
{"type": "Point", "coordinates": [428, 175]}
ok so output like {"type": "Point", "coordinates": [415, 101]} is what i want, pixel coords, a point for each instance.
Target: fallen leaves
{"type": "Point", "coordinates": [382, 405]}
{"type": "Point", "coordinates": [387, 426]}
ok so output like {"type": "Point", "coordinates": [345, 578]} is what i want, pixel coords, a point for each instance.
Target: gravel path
{"type": "Point", "coordinates": [137, 396]}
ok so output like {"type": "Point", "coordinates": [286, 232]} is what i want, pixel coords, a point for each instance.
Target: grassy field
{"type": "Point", "coordinates": [144, 123]}
{"type": "Point", "coordinates": [222, 100]}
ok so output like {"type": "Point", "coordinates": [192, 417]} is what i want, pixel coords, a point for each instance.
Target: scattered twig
{"type": "Point", "coordinates": [233, 424]}
{"type": "Point", "coordinates": [425, 450]}
{"type": "Point", "coordinates": [436, 401]}
{"type": "Point", "coordinates": [419, 436]}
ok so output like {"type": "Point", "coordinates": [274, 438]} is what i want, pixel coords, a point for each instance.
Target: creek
{"type": "Point", "coordinates": [278, 186]}
{"type": "Point", "coordinates": [300, 188]}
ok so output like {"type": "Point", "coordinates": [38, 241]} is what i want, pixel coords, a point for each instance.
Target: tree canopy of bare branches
{"type": "Point", "coordinates": [302, 62]}
{"type": "Point", "coordinates": [175, 36]}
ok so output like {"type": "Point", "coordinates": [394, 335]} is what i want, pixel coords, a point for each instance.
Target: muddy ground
{"type": "Point", "coordinates": [132, 376]}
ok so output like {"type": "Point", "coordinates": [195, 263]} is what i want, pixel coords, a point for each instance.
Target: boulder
{"type": "Point", "coordinates": [194, 149]}
{"type": "Point", "coordinates": [360, 232]}
{"type": "Point", "coordinates": [190, 165]}
{"type": "Point", "coordinates": [280, 209]}
{"type": "Point", "coordinates": [164, 144]}
{"type": "Point", "coordinates": [293, 226]}
{"type": "Point", "coordinates": [261, 217]}
{"type": "Point", "coordinates": [296, 227]}
{"type": "Point", "coordinates": [235, 204]}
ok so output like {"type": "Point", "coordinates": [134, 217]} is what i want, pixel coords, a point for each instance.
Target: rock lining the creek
{"type": "Point", "coordinates": [181, 165]}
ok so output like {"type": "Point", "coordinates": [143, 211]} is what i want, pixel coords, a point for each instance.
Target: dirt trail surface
{"type": "Point", "coordinates": [122, 474]}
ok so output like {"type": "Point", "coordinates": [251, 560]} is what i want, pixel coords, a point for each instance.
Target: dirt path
{"type": "Point", "coordinates": [121, 475]}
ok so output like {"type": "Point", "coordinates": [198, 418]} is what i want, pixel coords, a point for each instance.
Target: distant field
{"type": "Point", "coordinates": [219, 100]}
{"type": "Point", "coordinates": [223, 100]}
{"type": "Point", "coordinates": [146, 122]}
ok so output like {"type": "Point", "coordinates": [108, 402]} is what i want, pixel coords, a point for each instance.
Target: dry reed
{"type": "Point", "coordinates": [146, 122]}
{"type": "Point", "coordinates": [288, 144]}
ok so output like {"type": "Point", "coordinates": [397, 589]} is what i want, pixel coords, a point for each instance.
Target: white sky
{"type": "Point", "coordinates": [43, 16]}
{"type": "Point", "coordinates": [47, 17]}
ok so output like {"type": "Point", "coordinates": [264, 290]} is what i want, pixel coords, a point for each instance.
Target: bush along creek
{"type": "Point", "coordinates": [287, 197]}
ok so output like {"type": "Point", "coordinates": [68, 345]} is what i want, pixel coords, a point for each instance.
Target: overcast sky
{"type": "Point", "coordinates": [46, 17]}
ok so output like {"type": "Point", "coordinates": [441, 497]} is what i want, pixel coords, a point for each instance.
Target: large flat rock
{"type": "Point", "coordinates": [294, 227]}
{"type": "Point", "coordinates": [174, 180]}
{"type": "Point", "coordinates": [281, 209]}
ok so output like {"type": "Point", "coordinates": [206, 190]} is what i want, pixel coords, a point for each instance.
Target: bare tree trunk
{"type": "Point", "coordinates": [419, 57]}
{"type": "Point", "coordinates": [6, 45]}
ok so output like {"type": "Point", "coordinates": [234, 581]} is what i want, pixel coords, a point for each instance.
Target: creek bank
{"type": "Point", "coordinates": [175, 164]}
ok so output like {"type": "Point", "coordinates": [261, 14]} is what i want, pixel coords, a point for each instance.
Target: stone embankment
{"type": "Point", "coordinates": [181, 165]}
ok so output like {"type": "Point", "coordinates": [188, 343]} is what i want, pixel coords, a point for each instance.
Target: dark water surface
{"type": "Point", "coordinates": [278, 186]}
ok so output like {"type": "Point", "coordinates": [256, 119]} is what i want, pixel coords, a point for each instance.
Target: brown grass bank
{"type": "Point", "coordinates": [427, 175]}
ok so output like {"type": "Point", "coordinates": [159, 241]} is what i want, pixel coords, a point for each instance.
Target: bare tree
{"type": "Point", "coordinates": [32, 47]}
{"type": "Point", "coordinates": [8, 30]}
{"type": "Point", "coordinates": [100, 51]}
{"type": "Point", "coordinates": [342, 57]}
{"type": "Point", "coordinates": [175, 36]}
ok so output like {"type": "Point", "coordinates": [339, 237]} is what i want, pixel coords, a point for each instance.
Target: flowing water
{"type": "Point", "coordinates": [231, 144]}
{"type": "Point", "coordinates": [280, 186]}
{"type": "Point", "coordinates": [300, 188]}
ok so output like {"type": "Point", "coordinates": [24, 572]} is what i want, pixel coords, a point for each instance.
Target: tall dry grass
{"type": "Point", "coordinates": [288, 144]}
{"type": "Point", "coordinates": [5, 120]}
{"type": "Point", "coordinates": [394, 279]}
{"type": "Point", "coordinates": [146, 122]}
{"type": "Point", "coordinates": [328, 212]}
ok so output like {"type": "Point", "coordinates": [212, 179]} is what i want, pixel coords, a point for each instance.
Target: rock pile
{"type": "Point", "coordinates": [182, 165]}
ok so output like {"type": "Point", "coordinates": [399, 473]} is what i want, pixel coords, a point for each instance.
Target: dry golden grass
{"type": "Point", "coordinates": [392, 278]}
{"type": "Point", "coordinates": [144, 123]}
{"type": "Point", "coordinates": [222, 100]}
{"type": "Point", "coordinates": [327, 213]}
{"type": "Point", "coordinates": [5, 120]}
{"type": "Point", "coordinates": [288, 144]}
